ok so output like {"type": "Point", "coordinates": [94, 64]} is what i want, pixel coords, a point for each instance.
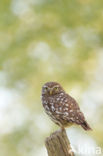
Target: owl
{"type": "Point", "coordinates": [61, 107]}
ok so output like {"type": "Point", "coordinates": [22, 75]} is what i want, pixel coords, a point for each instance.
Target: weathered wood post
{"type": "Point", "coordinates": [58, 144]}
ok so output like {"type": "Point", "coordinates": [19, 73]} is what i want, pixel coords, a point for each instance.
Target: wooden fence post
{"type": "Point", "coordinates": [58, 144]}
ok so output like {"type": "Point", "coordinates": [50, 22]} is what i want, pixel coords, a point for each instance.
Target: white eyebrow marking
{"type": "Point", "coordinates": [45, 86]}
{"type": "Point", "coordinates": [56, 86]}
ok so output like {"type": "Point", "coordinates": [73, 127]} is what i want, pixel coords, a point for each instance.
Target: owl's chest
{"type": "Point", "coordinates": [49, 102]}
{"type": "Point", "coordinates": [53, 104]}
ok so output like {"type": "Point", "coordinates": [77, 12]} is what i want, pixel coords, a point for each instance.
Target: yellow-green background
{"type": "Point", "coordinates": [48, 40]}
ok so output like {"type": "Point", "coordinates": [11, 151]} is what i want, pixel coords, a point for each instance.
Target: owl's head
{"type": "Point", "coordinates": [52, 88]}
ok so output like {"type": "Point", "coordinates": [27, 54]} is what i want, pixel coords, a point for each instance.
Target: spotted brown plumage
{"type": "Point", "coordinates": [61, 107]}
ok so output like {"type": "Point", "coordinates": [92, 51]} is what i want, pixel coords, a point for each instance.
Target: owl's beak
{"type": "Point", "coordinates": [50, 91]}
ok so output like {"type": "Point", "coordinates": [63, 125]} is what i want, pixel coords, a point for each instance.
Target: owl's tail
{"type": "Point", "coordinates": [86, 126]}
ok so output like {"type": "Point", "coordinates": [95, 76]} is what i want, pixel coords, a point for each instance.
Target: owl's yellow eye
{"type": "Point", "coordinates": [46, 88]}
{"type": "Point", "coordinates": [56, 88]}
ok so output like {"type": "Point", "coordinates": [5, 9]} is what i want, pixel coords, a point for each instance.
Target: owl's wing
{"type": "Point", "coordinates": [74, 114]}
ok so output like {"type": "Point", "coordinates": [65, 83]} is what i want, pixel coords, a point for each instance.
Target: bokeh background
{"type": "Point", "coordinates": [49, 40]}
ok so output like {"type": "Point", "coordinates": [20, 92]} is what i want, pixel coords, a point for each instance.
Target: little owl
{"type": "Point", "coordinates": [61, 107]}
